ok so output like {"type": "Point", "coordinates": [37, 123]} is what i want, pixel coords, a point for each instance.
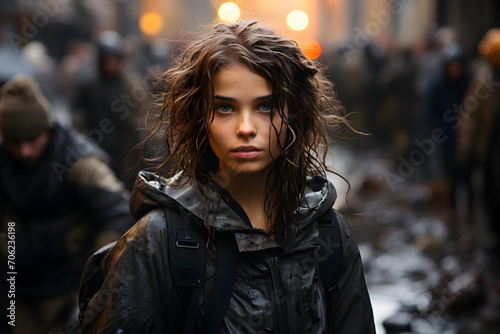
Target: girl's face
{"type": "Point", "coordinates": [241, 133]}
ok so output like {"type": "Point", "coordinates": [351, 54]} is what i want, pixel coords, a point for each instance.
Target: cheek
{"type": "Point", "coordinates": [41, 145]}
{"type": "Point", "coordinates": [215, 137]}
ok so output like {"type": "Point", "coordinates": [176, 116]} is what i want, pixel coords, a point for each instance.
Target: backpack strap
{"type": "Point", "coordinates": [186, 252]}
{"type": "Point", "coordinates": [227, 268]}
{"type": "Point", "coordinates": [329, 253]}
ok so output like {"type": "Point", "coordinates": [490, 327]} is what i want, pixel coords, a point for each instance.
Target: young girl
{"type": "Point", "coordinates": [245, 118]}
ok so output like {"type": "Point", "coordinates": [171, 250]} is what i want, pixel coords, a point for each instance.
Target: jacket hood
{"type": "Point", "coordinates": [152, 192]}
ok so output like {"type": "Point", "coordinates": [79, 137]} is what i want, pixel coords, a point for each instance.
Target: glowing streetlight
{"type": "Point", "coordinates": [150, 23]}
{"type": "Point", "coordinates": [229, 12]}
{"type": "Point", "coordinates": [297, 20]}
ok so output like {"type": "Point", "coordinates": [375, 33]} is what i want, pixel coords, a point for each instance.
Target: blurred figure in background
{"type": "Point", "coordinates": [74, 67]}
{"type": "Point", "coordinates": [397, 112]}
{"type": "Point", "coordinates": [446, 95]}
{"type": "Point", "coordinates": [355, 71]}
{"type": "Point", "coordinates": [429, 66]}
{"type": "Point", "coordinates": [109, 102]}
{"type": "Point", "coordinates": [479, 132]}
{"type": "Point", "coordinates": [63, 199]}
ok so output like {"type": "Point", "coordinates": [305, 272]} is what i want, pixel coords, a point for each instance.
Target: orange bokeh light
{"type": "Point", "coordinates": [311, 49]}
{"type": "Point", "coordinates": [151, 23]}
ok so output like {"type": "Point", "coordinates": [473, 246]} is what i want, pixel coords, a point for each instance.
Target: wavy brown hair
{"type": "Point", "coordinates": [186, 92]}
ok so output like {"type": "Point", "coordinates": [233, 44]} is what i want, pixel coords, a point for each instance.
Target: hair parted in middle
{"type": "Point", "coordinates": [186, 93]}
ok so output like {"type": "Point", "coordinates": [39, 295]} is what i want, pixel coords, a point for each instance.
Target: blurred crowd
{"type": "Point", "coordinates": [432, 110]}
{"type": "Point", "coordinates": [431, 113]}
{"type": "Point", "coordinates": [97, 87]}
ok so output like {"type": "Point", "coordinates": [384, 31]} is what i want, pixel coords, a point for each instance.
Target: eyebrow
{"type": "Point", "coordinates": [230, 99]}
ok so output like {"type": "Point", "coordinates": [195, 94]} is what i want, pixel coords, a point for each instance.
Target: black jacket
{"type": "Point", "coordinates": [278, 293]}
{"type": "Point", "coordinates": [60, 208]}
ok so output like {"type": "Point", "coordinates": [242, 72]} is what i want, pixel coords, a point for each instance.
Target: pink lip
{"type": "Point", "coordinates": [246, 152]}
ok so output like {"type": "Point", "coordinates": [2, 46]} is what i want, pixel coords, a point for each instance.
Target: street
{"type": "Point", "coordinates": [423, 276]}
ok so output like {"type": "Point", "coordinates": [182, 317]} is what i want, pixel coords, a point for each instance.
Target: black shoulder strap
{"type": "Point", "coordinates": [186, 252]}
{"type": "Point", "coordinates": [329, 254]}
{"type": "Point", "coordinates": [227, 269]}
{"type": "Point", "coordinates": [187, 264]}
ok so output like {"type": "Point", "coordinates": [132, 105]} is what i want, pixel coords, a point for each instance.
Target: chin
{"type": "Point", "coordinates": [247, 169]}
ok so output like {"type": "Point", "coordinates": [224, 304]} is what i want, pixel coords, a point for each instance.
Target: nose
{"type": "Point", "coordinates": [246, 126]}
{"type": "Point", "coordinates": [25, 149]}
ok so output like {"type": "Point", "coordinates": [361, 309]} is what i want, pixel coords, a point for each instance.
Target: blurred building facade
{"type": "Point", "coordinates": [330, 21]}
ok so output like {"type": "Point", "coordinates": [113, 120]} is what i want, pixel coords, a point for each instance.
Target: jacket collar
{"type": "Point", "coordinates": [152, 191]}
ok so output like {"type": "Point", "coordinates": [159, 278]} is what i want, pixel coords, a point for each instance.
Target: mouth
{"type": "Point", "coordinates": [246, 152]}
{"type": "Point", "coordinates": [246, 149]}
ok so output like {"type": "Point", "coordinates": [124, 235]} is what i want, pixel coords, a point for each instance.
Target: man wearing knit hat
{"type": "Point", "coordinates": [25, 120]}
{"type": "Point", "coordinates": [57, 215]}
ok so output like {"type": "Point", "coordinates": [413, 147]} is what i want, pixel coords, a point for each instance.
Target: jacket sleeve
{"type": "Point", "coordinates": [350, 303]}
{"type": "Point", "coordinates": [102, 197]}
{"type": "Point", "coordinates": [137, 295]}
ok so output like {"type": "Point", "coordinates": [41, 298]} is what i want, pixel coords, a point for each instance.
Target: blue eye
{"type": "Point", "coordinates": [224, 108]}
{"type": "Point", "coordinates": [266, 107]}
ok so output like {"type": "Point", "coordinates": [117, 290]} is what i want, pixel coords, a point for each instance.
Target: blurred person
{"type": "Point", "coordinates": [74, 67]}
{"type": "Point", "coordinates": [429, 69]}
{"type": "Point", "coordinates": [479, 132]}
{"type": "Point", "coordinates": [247, 119]}
{"type": "Point", "coordinates": [61, 198]}
{"type": "Point", "coordinates": [346, 65]}
{"type": "Point", "coordinates": [446, 95]}
{"type": "Point", "coordinates": [36, 53]}
{"type": "Point", "coordinates": [355, 70]}
{"type": "Point", "coordinates": [376, 59]}
{"type": "Point", "coordinates": [110, 101]}
{"type": "Point", "coordinates": [396, 115]}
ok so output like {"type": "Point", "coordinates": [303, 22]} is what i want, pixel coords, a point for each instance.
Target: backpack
{"type": "Point", "coordinates": [187, 261]}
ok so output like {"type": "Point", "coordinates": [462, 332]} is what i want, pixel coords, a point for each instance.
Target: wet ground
{"type": "Point", "coordinates": [427, 271]}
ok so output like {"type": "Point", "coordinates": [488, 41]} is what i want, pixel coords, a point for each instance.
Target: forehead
{"type": "Point", "coordinates": [239, 79]}
{"type": "Point", "coordinates": [40, 139]}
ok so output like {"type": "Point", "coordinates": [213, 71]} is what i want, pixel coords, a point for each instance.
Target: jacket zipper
{"type": "Point", "coordinates": [285, 323]}
{"type": "Point", "coordinates": [279, 298]}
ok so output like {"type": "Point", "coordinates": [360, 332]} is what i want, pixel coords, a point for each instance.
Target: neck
{"type": "Point", "coordinates": [249, 191]}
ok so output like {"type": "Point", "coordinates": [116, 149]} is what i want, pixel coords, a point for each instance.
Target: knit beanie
{"type": "Point", "coordinates": [489, 47]}
{"type": "Point", "coordinates": [24, 111]}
